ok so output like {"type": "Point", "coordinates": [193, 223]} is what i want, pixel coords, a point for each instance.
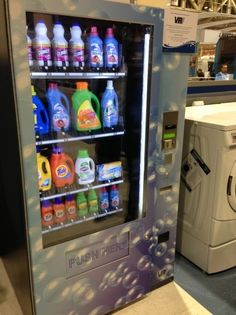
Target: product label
{"type": "Point", "coordinates": [43, 52]}
{"type": "Point", "coordinates": [85, 173]}
{"type": "Point", "coordinates": [115, 201]}
{"type": "Point", "coordinates": [59, 213]}
{"type": "Point", "coordinates": [60, 118]}
{"type": "Point", "coordinates": [61, 53]}
{"type": "Point", "coordinates": [104, 204]}
{"type": "Point", "coordinates": [93, 205]}
{"type": "Point", "coordinates": [110, 115]}
{"type": "Point", "coordinates": [77, 53]}
{"type": "Point", "coordinates": [71, 209]}
{"type": "Point", "coordinates": [96, 55]}
{"type": "Point", "coordinates": [86, 117]}
{"type": "Point", "coordinates": [48, 217]}
{"type": "Point", "coordinates": [82, 206]}
{"type": "Point", "coordinates": [62, 171]}
{"type": "Point", "coordinates": [112, 55]}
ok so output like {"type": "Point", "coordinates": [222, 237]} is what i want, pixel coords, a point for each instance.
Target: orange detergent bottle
{"type": "Point", "coordinates": [47, 213]}
{"type": "Point", "coordinates": [62, 168]}
{"type": "Point", "coordinates": [59, 210]}
{"type": "Point", "coordinates": [71, 208]}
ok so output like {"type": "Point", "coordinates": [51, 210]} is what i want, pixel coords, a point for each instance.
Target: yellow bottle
{"type": "Point", "coordinates": [44, 172]}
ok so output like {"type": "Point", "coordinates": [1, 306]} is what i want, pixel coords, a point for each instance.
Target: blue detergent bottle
{"type": "Point", "coordinates": [59, 109]}
{"type": "Point", "coordinates": [111, 55]}
{"type": "Point", "coordinates": [41, 119]}
{"type": "Point", "coordinates": [94, 49]}
{"type": "Point", "coordinates": [110, 106]}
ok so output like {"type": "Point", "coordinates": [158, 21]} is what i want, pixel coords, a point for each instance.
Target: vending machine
{"type": "Point", "coordinates": [92, 123]}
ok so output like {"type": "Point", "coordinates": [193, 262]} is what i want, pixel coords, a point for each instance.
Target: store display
{"type": "Point", "coordinates": [41, 119]}
{"type": "Point", "coordinates": [109, 106]}
{"type": "Point", "coordinates": [59, 47]}
{"type": "Point", "coordinates": [111, 52]}
{"type": "Point", "coordinates": [44, 172]}
{"type": "Point", "coordinates": [76, 48]}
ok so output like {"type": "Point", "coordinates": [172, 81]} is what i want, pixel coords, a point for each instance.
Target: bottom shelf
{"type": "Point", "coordinates": [79, 221]}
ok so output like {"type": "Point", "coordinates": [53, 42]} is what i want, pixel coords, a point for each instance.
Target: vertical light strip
{"type": "Point", "coordinates": [143, 122]}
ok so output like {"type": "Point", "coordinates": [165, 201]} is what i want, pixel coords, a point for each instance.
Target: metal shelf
{"type": "Point", "coordinates": [68, 138]}
{"type": "Point", "coordinates": [86, 188]}
{"type": "Point", "coordinates": [77, 75]}
{"type": "Point", "coordinates": [85, 219]}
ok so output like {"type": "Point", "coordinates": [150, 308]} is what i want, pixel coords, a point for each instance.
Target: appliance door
{"type": "Point", "coordinates": [231, 188]}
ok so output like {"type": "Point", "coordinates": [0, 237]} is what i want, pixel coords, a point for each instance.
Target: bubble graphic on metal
{"type": "Point", "coordinates": [170, 256]}
{"type": "Point", "coordinates": [114, 280]}
{"type": "Point", "coordinates": [130, 280]}
{"type": "Point", "coordinates": [103, 286]}
{"type": "Point", "coordinates": [148, 235]}
{"type": "Point", "coordinates": [56, 292]}
{"type": "Point", "coordinates": [37, 299]}
{"type": "Point", "coordinates": [84, 295]}
{"type": "Point", "coordinates": [100, 310]}
{"type": "Point", "coordinates": [69, 5]}
{"type": "Point", "coordinates": [136, 235]}
{"type": "Point", "coordinates": [98, 14]}
{"type": "Point", "coordinates": [40, 273]}
{"type": "Point", "coordinates": [161, 169]}
{"type": "Point", "coordinates": [120, 302]}
{"type": "Point", "coordinates": [172, 106]}
{"type": "Point", "coordinates": [140, 9]}
{"type": "Point", "coordinates": [122, 269]}
{"type": "Point", "coordinates": [172, 62]}
{"type": "Point", "coordinates": [165, 273]}
{"type": "Point", "coordinates": [145, 263]}
{"type": "Point", "coordinates": [160, 249]}
{"type": "Point", "coordinates": [170, 217]}
{"type": "Point", "coordinates": [151, 248]}
{"type": "Point", "coordinates": [135, 293]}
{"type": "Point", "coordinates": [106, 277]}
{"type": "Point", "coordinates": [73, 313]}
{"type": "Point", "coordinates": [153, 12]}
{"type": "Point", "coordinates": [158, 226]}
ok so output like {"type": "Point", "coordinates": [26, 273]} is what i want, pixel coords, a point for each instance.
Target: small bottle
{"type": "Point", "coordinates": [47, 213]}
{"type": "Point", "coordinates": [71, 209]}
{"type": "Point", "coordinates": [42, 46]}
{"type": "Point", "coordinates": [84, 168]}
{"type": "Point", "coordinates": [82, 205]}
{"type": "Point", "coordinates": [110, 107]}
{"type": "Point", "coordinates": [104, 200]}
{"type": "Point", "coordinates": [59, 210]}
{"type": "Point", "coordinates": [44, 172]}
{"type": "Point", "coordinates": [95, 50]}
{"type": "Point", "coordinates": [60, 47]}
{"type": "Point", "coordinates": [76, 48]}
{"type": "Point", "coordinates": [92, 201]}
{"type": "Point", "coordinates": [30, 51]}
{"type": "Point", "coordinates": [114, 198]}
{"type": "Point", "coordinates": [111, 55]}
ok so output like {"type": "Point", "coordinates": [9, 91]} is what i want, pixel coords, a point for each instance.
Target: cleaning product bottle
{"type": "Point", "coordinates": [71, 209]}
{"type": "Point", "coordinates": [82, 205]}
{"type": "Point", "coordinates": [42, 46]}
{"type": "Point", "coordinates": [59, 210]}
{"type": "Point", "coordinates": [41, 119]}
{"type": "Point", "coordinates": [110, 106]}
{"type": "Point", "coordinates": [111, 56]}
{"type": "Point", "coordinates": [114, 197]}
{"type": "Point", "coordinates": [29, 45]}
{"type": "Point", "coordinates": [94, 50]}
{"type": "Point", "coordinates": [92, 201]}
{"type": "Point", "coordinates": [84, 168]}
{"type": "Point", "coordinates": [44, 172]}
{"type": "Point", "coordinates": [47, 213]}
{"type": "Point", "coordinates": [62, 167]}
{"type": "Point", "coordinates": [59, 47]}
{"type": "Point", "coordinates": [59, 109]}
{"type": "Point", "coordinates": [76, 48]}
{"type": "Point", "coordinates": [86, 108]}
{"type": "Point", "coordinates": [104, 200]}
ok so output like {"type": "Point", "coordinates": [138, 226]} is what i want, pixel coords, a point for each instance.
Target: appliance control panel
{"type": "Point", "coordinates": [169, 130]}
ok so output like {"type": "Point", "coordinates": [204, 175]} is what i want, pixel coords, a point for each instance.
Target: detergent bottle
{"type": "Point", "coordinates": [84, 168]}
{"type": "Point", "coordinates": [86, 108]}
{"type": "Point", "coordinates": [59, 109]}
{"type": "Point", "coordinates": [59, 211]}
{"type": "Point", "coordinates": [60, 47]}
{"type": "Point", "coordinates": [62, 167]}
{"type": "Point", "coordinates": [44, 172]}
{"type": "Point", "coordinates": [47, 213]}
{"type": "Point", "coordinates": [82, 205]}
{"type": "Point", "coordinates": [42, 46]}
{"type": "Point", "coordinates": [30, 51]}
{"type": "Point", "coordinates": [41, 119]}
{"type": "Point", "coordinates": [114, 197]}
{"type": "Point", "coordinates": [110, 106]}
{"type": "Point", "coordinates": [104, 200]}
{"type": "Point", "coordinates": [94, 50]}
{"type": "Point", "coordinates": [92, 201]}
{"type": "Point", "coordinates": [76, 48]}
{"type": "Point", "coordinates": [111, 57]}
{"type": "Point", "coordinates": [71, 209]}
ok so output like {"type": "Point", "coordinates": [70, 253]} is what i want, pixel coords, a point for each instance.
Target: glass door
{"type": "Point", "coordinates": [90, 83]}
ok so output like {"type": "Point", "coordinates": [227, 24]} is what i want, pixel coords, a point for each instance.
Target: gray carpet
{"type": "Point", "coordinates": [216, 292]}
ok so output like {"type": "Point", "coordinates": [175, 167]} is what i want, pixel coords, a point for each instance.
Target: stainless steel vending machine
{"type": "Point", "coordinates": [92, 116]}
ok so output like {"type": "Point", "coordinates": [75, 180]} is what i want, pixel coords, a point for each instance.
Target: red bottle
{"type": "Point", "coordinates": [47, 213]}
{"type": "Point", "coordinates": [62, 168]}
{"type": "Point", "coordinates": [71, 209]}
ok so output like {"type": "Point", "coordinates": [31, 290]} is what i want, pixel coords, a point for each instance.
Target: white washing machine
{"type": "Point", "coordinates": [207, 212]}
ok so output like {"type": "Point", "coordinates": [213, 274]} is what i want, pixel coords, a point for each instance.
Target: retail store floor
{"type": "Point", "coordinates": [170, 299]}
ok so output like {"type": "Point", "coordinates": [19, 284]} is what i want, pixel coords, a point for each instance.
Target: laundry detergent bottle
{"type": "Point", "coordinates": [111, 57]}
{"type": "Point", "coordinates": [82, 205]}
{"type": "Point", "coordinates": [44, 172]}
{"type": "Point", "coordinates": [92, 201]}
{"type": "Point", "coordinates": [47, 213]}
{"type": "Point", "coordinates": [59, 211]}
{"type": "Point", "coordinates": [60, 47]}
{"type": "Point", "coordinates": [84, 168]}
{"type": "Point", "coordinates": [71, 209]}
{"type": "Point", "coordinates": [86, 108]}
{"type": "Point", "coordinates": [41, 119]}
{"type": "Point", "coordinates": [76, 48]}
{"type": "Point", "coordinates": [62, 167]}
{"type": "Point", "coordinates": [94, 49]}
{"type": "Point", "coordinates": [110, 106]}
{"type": "Point", "coordinates": [59, 109]}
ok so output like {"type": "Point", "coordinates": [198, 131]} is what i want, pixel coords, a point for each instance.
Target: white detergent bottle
{"type": "Point", "coordinates": [29, 45]}
{"type": "Point", "coordinates": [59, 47]}
{"type": "Point", "coordinates": [84, 168]}
{"type": "Point", "coordinates": [42, 46]}
{"type": "Point", "coordinates": [76, 48]}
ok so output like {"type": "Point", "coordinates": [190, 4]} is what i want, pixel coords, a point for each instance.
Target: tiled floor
{"type": "Point", "coordinates": [170, 299]}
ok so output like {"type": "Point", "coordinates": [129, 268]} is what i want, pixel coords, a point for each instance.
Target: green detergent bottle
{"type": "Point", "coordinates": [92, 201]}
{"type": "Point", "coordinates": [82, 205]}
{"type": "Point", "coordinates": [86, 108]}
